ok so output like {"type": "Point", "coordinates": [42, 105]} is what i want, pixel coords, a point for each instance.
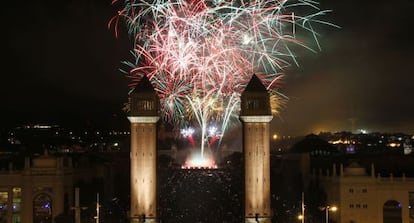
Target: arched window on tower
{"type": "Point", "coordinates": [146, 105]}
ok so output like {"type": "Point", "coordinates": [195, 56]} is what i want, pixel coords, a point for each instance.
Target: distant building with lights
{"type": "Point", "coordinates": [368, 198]}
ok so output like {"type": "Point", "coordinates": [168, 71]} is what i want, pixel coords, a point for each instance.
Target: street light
{"type": "Point", "coordinates": [329, 208]}
{"type": "Point", "coordinates": [303, 207]}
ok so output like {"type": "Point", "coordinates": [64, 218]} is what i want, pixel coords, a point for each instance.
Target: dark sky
{"type": "Point", "coordinates": [60, 63]}
{"type": "Point", "coordinates": [364, 72]}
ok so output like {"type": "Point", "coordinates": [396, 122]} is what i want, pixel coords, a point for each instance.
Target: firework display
{"type": "Point", "coordinates": [199, 55]}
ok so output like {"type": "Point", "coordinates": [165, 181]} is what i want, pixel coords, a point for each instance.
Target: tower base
{"type": "Point", "coordinates": [142, 219]}
{"type": "Point", "coordinates": [257, 219]}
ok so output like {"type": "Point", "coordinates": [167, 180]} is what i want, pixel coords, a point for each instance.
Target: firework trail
{"type": "Point", "coordinates": [199, 54]}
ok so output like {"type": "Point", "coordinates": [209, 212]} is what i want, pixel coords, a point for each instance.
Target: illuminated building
{"type": "Point", "coordinates": [143, 116]}
{"type": "Point", "coordinates": [365, 198]}
{"type": "Point", "coordinates": [39, 192]}
{"type": "Point", "coordinates": [256, 115]}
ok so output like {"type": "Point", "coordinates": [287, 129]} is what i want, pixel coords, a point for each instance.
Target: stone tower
{"type": "Point", "coordinates": [256, 115]}
{"type": "Point", "coordinates": [143, 115]}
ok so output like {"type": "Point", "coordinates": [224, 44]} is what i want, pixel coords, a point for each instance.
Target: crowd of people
{"type": "Point", "coordinates": [200, 195]}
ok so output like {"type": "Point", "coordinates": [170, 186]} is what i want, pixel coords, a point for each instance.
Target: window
{"type": "Point", "coordinates": [253, 104]}
{"type": "Point", "coordinates": [146, 105]}
{"type": "Point", "coordinates": [42, 209]}
{"type": "Point", "coordinates": [4, 199]}
{"type": "Point", "coordinates": [17, 200]}
{"type": "Point", "coordinates": [364, 190]}
{"type": "Point", "coordinates": [351, 190]}
{"type": "Point", "coordinates": [351, 206]}
{"type": "Point", "coordinates": [392, 212]}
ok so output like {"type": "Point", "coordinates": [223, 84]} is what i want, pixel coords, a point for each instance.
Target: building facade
{"type": "Point", "coordinates": [368, 198]}
{"type": "Point", "coordinates": [38, 193]}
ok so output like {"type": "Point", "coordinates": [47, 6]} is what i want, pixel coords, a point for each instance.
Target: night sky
{"type": "Point", "coordinates": [60, 64]}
